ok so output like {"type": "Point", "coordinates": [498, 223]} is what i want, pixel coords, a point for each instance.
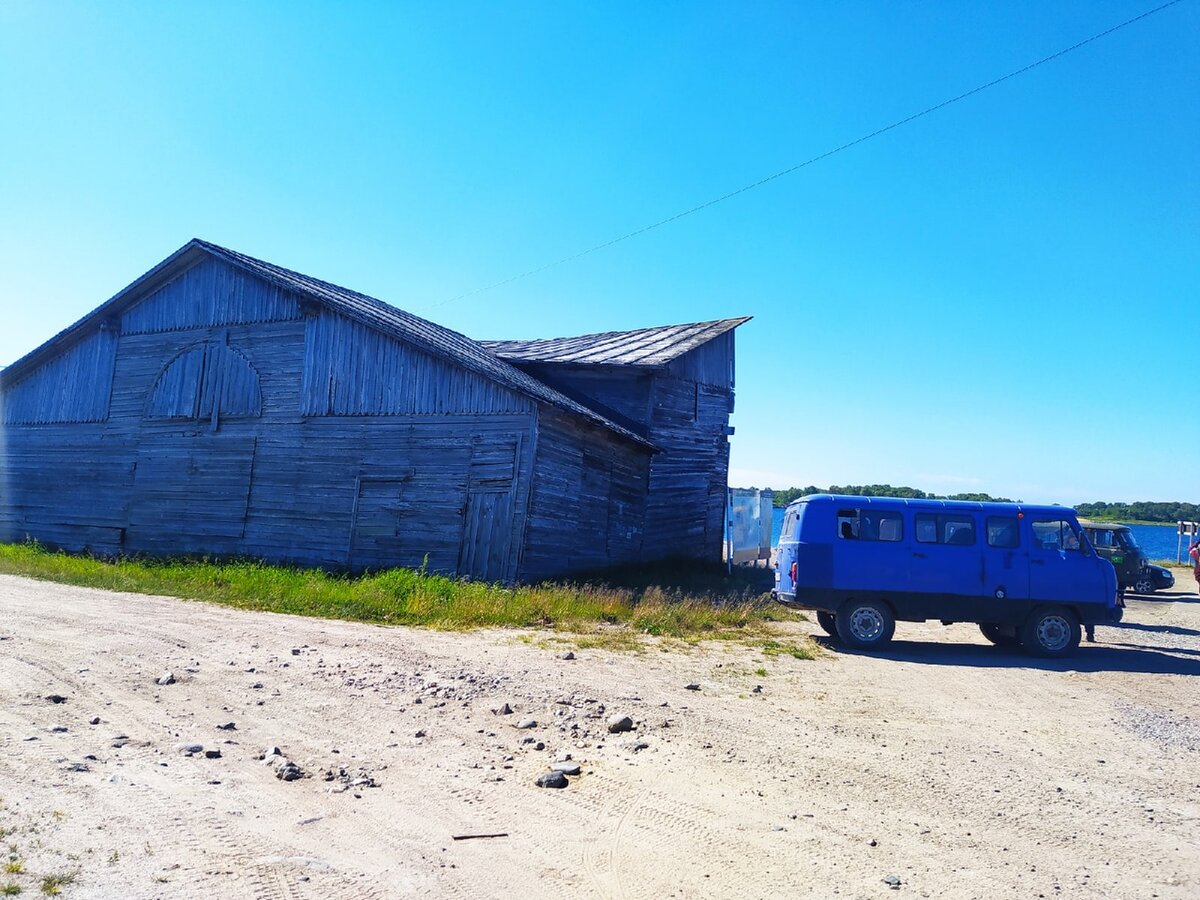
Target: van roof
{"type": "Point", "coordinates": [1104, 526]}
{"type": "Point", "coordinates": [973, 505]}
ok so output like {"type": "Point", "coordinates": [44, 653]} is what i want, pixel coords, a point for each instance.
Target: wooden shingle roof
{"type": "Point", "coordinates": [642, 347]}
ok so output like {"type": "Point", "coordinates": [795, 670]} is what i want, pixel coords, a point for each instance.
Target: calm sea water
{"type": "Point", "coordinates": [1157, 541]}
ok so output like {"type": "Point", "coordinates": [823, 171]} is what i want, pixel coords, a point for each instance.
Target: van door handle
{"type": "Point", "coordinates": [919, 555]}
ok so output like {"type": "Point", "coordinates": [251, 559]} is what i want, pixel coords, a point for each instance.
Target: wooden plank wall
{"type": "Point", "coordinates": [691, 404]}
{"type": "Point", "coordinates": [284, 484]}
{"type": "Point", "coordinates": [621, 393]}
{"type": "Point", "coordinates": [210, 293]}
{"type": "Point", "coordinates": [72, 387]}
{"type": "Point", "coordinates": [588, 500]}
{"type": "Point", "coordinates": [352, 370]}
{"type": "Point", "coordinates": [683, 411]}
{"type": "Point", "coordinates": [711, 363]}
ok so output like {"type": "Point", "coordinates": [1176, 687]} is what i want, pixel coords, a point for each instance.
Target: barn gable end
{"type": "Point", "coordinates": [248, 410]}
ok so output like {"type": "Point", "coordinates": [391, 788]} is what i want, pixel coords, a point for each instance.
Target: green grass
{"type": "Point", "coordinates": [688, 601]}
{"type": "Point", "coordinates": [52, 884]}
{"type": "Point", "coordinates": [10, 890]}
{"type": "Point", "coordinates": [1171, 564]}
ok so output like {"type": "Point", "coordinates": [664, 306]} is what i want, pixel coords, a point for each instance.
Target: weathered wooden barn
{"type": "Point", "coordinates": [223, 405]}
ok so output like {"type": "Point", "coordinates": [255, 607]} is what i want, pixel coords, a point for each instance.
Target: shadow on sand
{"type": "Point", "coordinates": [1090, 658]}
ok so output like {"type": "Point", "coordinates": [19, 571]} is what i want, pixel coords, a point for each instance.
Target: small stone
{"type": "Point", "coordinates": [77, 767]}
{"type": "Point", "coordinates": [552, 779]}
{"type": "Point", "coordinates": [638, 746]}
{"type": "Point", "coordinates": [212, 754]}
{"type": "Point", "coordinates": [295, 651]}
{"type": "Point", "coordinates": [165, 678]}
{"type": "Point", "coordinates": [872, 843]}
{"type": "Point", "coordinates": [419, 733]}
{"type": "Point", "coordinates": [568, 655]}
{"type": "Point", "coordinates": [271, 751]}
{"type": "Point", "coordinates": [189, 749]}
{"type": "Point", "coordinates": [539, 746]}
{"type": "Point", "coordinates": [567, 767]}
{"type": "Point", "coordinates": [619, 723]}
{"type": "Point", "coordinates": [228, 726]}
{"type": "Point", "coordinates": [94, 720]}
{"type": "Point", "coordinates": [527, 723]}
{"type": "Point", "coordinates": [56, 698]}
{"type": "Point", "coordinates": [892, 881]}
{"type": "Point", "coordinates": [757, 689]}
{"type": "Point", "coordinates": [257, 686]}
{"type": "Point", "coordinates": [58, 729]}
{"type": "Point", "coordinates": [692, 687]}
{"type": "Point", "coordinates": [504, 710]}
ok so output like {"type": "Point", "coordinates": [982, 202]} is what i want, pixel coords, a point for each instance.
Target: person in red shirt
{"type": "Point", "coordinates": [1194, 554]}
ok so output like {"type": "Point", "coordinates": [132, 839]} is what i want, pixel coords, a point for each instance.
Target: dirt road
{"type": "Point", "coordinates": [960, 769]}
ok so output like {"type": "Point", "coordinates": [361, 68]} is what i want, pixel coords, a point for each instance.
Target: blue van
{"type": "Point", "coordinates": [1026, 574]}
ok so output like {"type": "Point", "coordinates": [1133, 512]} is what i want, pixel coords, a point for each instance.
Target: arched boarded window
{"type": "Point", "coordinates": [207, 381]}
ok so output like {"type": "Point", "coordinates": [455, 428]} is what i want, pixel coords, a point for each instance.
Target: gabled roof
{"type": "Point", "coordinates": [643, 347]}
{"type": "Point", "coordinates": [367, 310]}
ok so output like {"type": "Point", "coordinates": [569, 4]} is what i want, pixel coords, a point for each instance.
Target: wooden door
{"type": "Point", "coordinates": [487, 551]}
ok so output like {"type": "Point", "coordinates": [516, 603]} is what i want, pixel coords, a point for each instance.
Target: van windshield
{"type": "Point", "coordinates": [1127, 540]}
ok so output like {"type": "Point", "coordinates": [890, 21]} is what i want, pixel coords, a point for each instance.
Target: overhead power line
{"type": "Point", "coordinates": [815, 159]}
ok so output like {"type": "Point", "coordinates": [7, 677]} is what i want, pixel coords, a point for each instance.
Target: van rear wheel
{"type": "Point", "coordinates": [1050, 631]}
{"type": "Point", "coordinates": [865, 624]}
{"type": "Point", "coordinates": [828, 622]}
{"type": "Point", "coordinates": [1000, 635]}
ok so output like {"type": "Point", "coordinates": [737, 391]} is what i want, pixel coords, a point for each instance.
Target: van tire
{"type": "Point", "coordinates": [1000, 635]}
{"type": "Point", "coordinates": [828, 622]}
{"type": "Point", "coordinates": [1050, 631]}
{"type": "Point", "coordinates": [865, 624]}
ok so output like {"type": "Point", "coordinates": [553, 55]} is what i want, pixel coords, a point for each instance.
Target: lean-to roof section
{"type": "Point", "coordinates": [643, 347]}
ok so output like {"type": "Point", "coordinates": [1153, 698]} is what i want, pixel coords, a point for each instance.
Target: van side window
{"type": "Point", "coordinates": [1054, 534]}
{"type": "Point", "coordinates": [945, 528]}
{"type": "Point", "coordinates": [1002, 531]}
{"type": "Point", "coordinates": [888, 526]}
{"type": "Point", "coordinates": [847, 524]}
{"type": "Point", "coordinates": [870, 525]}
{"type": "Point", "coordinates": [1102, 537]}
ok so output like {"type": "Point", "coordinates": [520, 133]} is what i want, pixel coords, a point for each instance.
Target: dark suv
{"type": "Point", "coordinates": [1116, 544]}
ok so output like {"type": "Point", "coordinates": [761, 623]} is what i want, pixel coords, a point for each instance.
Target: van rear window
{"type": "Point", "coordinates": [870, 525]}
{"type": "Point", "coordinates": [945, 528]}
{"type": "Point", "coordinates": [790, 518]}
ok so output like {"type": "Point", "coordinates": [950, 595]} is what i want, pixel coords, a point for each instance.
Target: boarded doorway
{"type": "Point", "coordinates": [191, 491]}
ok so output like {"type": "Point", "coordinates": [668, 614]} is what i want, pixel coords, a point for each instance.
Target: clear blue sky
{"type": "Point", "coordinates": [1000, 297]}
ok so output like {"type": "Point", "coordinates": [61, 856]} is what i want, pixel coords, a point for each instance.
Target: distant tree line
{"type": "Point", "coordinates": [787, 495]}
{"type": "Point", "coordinates": [1142, 511]}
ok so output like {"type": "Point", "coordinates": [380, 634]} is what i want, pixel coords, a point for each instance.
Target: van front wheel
{"type": "Point", "coordinates": [827, 621]}
{"type": "Point", "coordinates": [1050, 631]}
{"type": "Point", "coordinates": [865, 624]}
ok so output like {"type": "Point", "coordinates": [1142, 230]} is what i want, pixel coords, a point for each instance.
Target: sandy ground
{"type": "Point", "coordinates": [960, 769]}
